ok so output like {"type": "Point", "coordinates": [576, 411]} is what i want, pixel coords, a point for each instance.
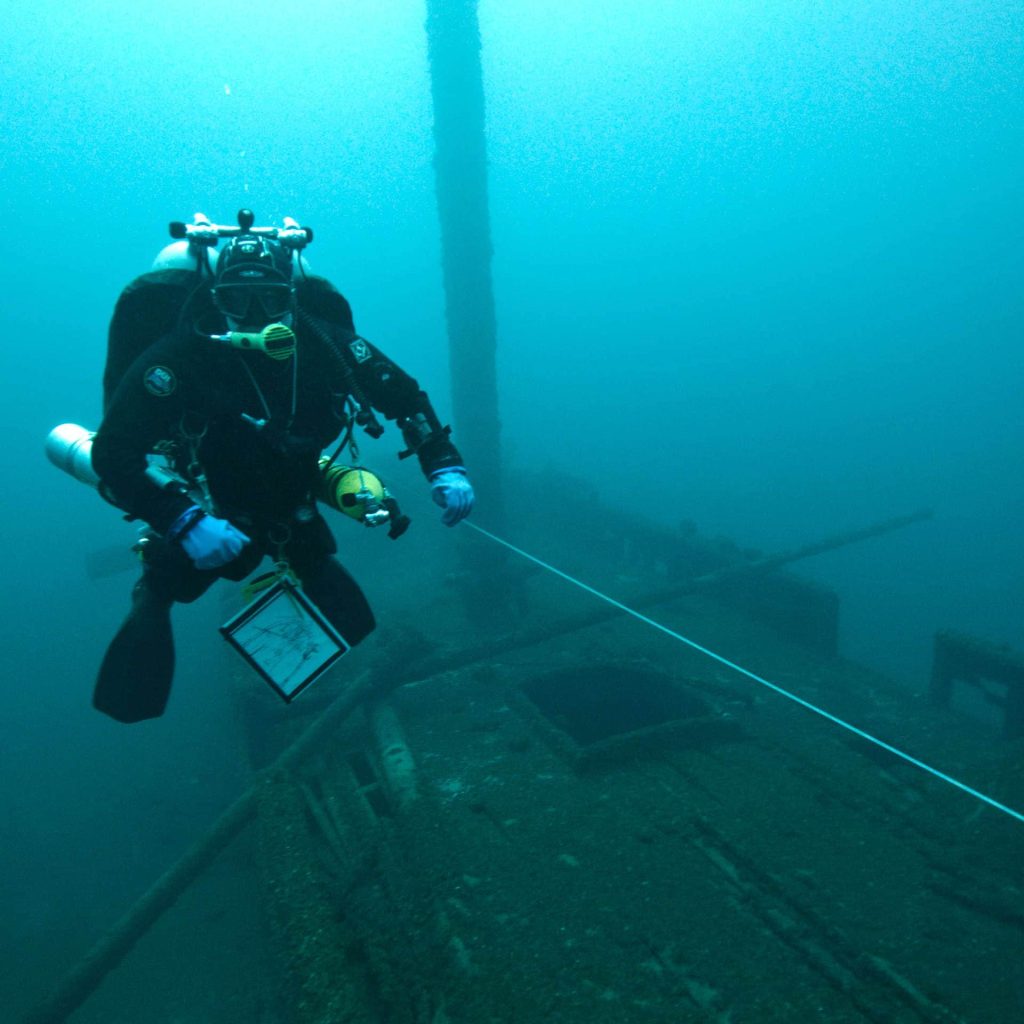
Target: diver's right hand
{"type": "Point", "coordinates": [210, 542]}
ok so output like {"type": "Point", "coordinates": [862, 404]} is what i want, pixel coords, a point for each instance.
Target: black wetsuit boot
{"type": "Point", "coordinates": [135, 678]}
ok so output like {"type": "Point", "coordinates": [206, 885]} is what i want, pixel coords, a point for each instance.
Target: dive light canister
{"type": "Point", "coordinates": [69, 448]}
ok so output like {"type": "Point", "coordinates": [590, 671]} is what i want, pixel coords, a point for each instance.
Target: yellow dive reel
{"type": "Point", "coordinates": [360, 495]}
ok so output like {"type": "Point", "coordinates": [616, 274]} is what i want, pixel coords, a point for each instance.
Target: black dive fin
{"type": "Point", "coordinates": [135, 678]}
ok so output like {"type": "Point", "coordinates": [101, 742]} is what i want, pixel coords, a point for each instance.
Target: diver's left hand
{"type": "Point", "coordinates": [450, 488]}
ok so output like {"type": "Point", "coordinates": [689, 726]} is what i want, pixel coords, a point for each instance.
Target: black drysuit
{"type": "Point", "coordinates": [255, 427]}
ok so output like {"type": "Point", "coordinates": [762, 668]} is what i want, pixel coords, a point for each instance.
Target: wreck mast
{"type": "Point", "coordinates": [460, 165]}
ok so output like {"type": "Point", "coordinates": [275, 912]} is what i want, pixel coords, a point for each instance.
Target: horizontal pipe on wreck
{"type": "Point", "coordinates": [706, 583]}
{"type": "Point", "coordinates": [85, 978]}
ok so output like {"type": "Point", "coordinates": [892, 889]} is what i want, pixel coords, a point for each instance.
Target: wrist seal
{"type": "Point", "coordinates": [419, 430]}
{"type": "Point", "coordinates": [184, 524]}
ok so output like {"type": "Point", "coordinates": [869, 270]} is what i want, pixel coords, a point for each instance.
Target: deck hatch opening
{"type": "Point", "coordinates": [599, 702]}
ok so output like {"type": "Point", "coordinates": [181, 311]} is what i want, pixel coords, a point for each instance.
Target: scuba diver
{"type": "Point", "coordinates": [238, 368]}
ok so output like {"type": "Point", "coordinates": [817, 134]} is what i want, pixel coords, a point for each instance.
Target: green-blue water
{"type": "Point", "coordinates": [756, 266]}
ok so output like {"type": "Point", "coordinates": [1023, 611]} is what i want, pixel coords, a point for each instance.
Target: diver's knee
{"type": "Point", "coordinates": [360, 628]}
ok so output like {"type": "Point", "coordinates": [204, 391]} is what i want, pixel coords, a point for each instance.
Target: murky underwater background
{"type": "Point", "coordinates": [756, 267]}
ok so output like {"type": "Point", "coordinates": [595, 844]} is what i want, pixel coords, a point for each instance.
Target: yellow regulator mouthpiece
{"type": "Point", "coordinates": [275, 340]}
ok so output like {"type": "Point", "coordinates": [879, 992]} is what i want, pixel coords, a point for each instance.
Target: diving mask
{"type": "Point", "coordinates": [247, 303]}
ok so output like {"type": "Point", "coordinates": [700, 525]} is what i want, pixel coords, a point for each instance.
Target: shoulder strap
{"type": "Point", "coordinates": [316, 295]}
{"type": "Point", "coordinates": [365, 416]}
{"type": "Point", "coordinates": [147, 310]}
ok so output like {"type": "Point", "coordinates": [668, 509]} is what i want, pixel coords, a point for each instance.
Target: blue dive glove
{"type": "Point", "coordinates": [450, 488]}
{"type": "Point", "coordinates": [210, 542]}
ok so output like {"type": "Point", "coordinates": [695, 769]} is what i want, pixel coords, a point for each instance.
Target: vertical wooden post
{"type": "Point", "coordinates": [460, 163]}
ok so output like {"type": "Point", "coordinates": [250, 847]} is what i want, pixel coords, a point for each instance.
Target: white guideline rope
{"type": "Point", "coordinates": [757, 679]}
